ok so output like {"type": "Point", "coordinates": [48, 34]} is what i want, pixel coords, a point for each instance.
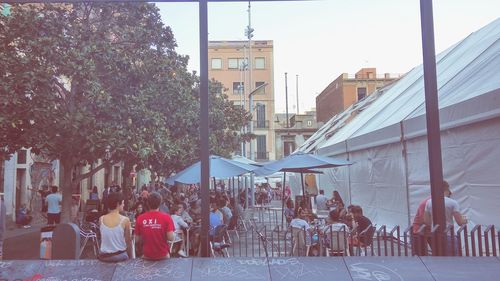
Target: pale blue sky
{"type": "Point", "coordinates": [319, 40]}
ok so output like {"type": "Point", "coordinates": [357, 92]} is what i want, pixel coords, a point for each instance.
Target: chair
{"type": "Point", "coordinates": [299, 241]}
{"type": "Point", "coordinates": [366, 240]}
{"type": "Point", "coordinates": [336, 241]}
{"type": "Point", "coordinates": [218, 242]}
{"type": "Point", "coordinates": [233, 226]}
{"type": "Point", "coordinates": [177, 241]}
{"type": "Point", "coordinates": [89, 231]}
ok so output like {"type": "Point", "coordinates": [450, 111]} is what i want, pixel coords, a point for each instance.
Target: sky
{"type": "Point", "coordinates": [320, 40]}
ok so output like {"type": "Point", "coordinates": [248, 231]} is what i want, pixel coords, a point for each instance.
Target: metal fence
{"type": "Point", "coordinates": [262, 233]}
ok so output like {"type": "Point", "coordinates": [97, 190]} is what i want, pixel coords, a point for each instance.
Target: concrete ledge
{"type": "Point", "coordinates": [286, 268]}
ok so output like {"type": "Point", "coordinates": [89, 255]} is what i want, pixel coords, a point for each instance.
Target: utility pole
{"type": "Point", "coordinates": [286, 99]}
{"type": "Point", "coordinates": [249, 34]}
{"type": "Point", "coordinates": [432, 117]}
{"type": "Point", "coordinates": [297, 89]}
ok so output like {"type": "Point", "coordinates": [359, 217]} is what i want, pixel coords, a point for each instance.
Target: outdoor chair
{"type": "Point", "coordinates": [233, 226]}
{"type": "Point", "coordinates": [300, 242]}
{"type": "Point", "coordinates": [88, 232]}
{"type": "Point", "coordinates": [366, 241]}
{"type": "Point", "coordinates": [218, 243]}
{"type": "Point", "coordinates": [336, 242]}
{"type": "Point", "coordinates": [175, 244]}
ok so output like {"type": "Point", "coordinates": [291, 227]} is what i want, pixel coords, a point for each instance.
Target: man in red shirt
{"type": "Point", "coordinates": [153, 229]}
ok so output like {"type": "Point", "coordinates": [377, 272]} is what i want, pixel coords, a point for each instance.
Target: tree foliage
{"type": "Point", "coordinates": [79, 78]}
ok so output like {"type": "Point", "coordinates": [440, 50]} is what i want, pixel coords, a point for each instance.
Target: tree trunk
{"type": "Point", "coordinates": [66, 188]}
{"type": "Point", "coordinates": [127, 187]}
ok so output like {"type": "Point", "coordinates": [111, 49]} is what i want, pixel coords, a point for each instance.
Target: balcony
{"type": "Point", "coordinates": [261, 156]}
{"type": "Point", "coordinates": [260, 124]}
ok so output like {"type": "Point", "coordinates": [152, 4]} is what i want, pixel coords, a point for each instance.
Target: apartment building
{"type": "Point", "coordinates": [229, 64]}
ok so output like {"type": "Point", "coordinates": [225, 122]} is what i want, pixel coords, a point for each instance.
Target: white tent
{"type": "Point", "coordinates": [387, 139]}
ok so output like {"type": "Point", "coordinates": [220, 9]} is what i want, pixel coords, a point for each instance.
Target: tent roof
{"type": "Point", "coordinates": [468, 69]}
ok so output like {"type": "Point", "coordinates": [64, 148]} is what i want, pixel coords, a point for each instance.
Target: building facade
{"type": "Point", "coordinates": [348, 89]}
{"type": "Point", "coordinates": [300, 128]}
{"type": "Point", "coordinates": [228, 64]}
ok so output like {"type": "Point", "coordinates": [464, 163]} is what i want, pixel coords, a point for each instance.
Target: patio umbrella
{"type": "Point", "coordinates": [220, 168]}
{"type": "Point", "coordinates": [300, 162]}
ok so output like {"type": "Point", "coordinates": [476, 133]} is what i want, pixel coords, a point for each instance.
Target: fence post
{"type": "Point", "coordinates": [434, 240]}
{"type": "Point", "coordinates": [396, 228]}
{"type": "Point", "coordinates": [477, 229]}
{"type": "Point", "coordinates": [405, 238]}
{"type": "Point", "coordinates": [487, 238]}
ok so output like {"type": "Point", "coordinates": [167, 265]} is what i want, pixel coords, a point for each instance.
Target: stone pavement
{"type": "Point", "coordinates": [208, 269]}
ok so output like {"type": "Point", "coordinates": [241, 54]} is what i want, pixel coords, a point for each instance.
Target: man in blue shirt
{"type": "Point", "coordinates": [54, 202]}
{"type": "Point", "coordinates": [215, 219]}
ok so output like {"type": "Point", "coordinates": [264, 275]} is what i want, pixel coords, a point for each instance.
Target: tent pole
{"type": "Point", "coordinates": [283, 200]}
{"type": "Point", "coordinates": [405, 159]}
{"type": "Point", "coordinates": [303, 189]}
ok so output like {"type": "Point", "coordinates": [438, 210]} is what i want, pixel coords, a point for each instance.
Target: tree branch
{"type": "Point", "coordinates": [94, 170]}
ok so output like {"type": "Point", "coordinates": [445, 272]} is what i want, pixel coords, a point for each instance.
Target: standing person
{"type": "Point", "coordinates": [54, 202]}
{"type": "Point", "coordinates": [452, 211]}
{"type": "Point", "coordinates": [105, 194]}
{"type": "Point", "coordinates": [153, 229]}
{"type": "Point", "coordinates": [321, 200]}
{"type": "Point", "coordinates": [44, 192]}
{"type": "Point", "coordinates": [116, 241]}
{"type": "Point", "coordinates": [419, 243]}
{"type": "Point", "coordinates": [94, 195]}
{"type": "Point", "coordinates": [3, 212]}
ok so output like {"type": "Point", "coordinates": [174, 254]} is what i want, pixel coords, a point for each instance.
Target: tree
{"type": "Point", "coordinates": [81, 79]}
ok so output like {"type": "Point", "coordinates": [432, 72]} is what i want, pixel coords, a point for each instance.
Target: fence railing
{"type": "Point", "coordinates": [265, 234]}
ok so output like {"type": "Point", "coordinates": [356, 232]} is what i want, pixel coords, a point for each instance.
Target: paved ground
{"type": "Point", "coordinates": [309, 269]}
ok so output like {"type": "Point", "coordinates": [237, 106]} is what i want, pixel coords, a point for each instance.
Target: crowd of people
{"type": "Point", "coordinates": [159, 217]}
{"type": "Point", "coordinates": [349, 220]}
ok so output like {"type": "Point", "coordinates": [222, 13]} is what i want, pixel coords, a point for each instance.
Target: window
{"type": "Point", "coordinates": [238, 88]}
{"type": "Point", "coordinates": [232, 63]}
{"type": "Point", "coordinates": [261, 147]}
{"type": "Point", "coordinates": [237, 63]}
{"type": "Point", "coordinates": [260, 63]}
{"type": "Point", "coordinates": [21, 156]}
{"type": "Point", "coordinates": [309, 123]}
{"type": "Point", "coordinates": [261, 116]}
{"type": "Point", "coordinates": [361, 93]}
{"type": "Point", "coordinates": [242, 63]}
{"type": "Point", "coordinates": [216, 63]}
{"type": "Point", "coordinates": [258, 84]}
{"type": "Point", "coordinates": [288, 148]}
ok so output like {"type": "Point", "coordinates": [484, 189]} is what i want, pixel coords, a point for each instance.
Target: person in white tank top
{"type": "Point", "coordinates": [116, 241]}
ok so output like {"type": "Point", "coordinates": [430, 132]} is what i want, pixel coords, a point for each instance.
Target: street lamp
{"type": "Point", "coordinates": [250, 101]}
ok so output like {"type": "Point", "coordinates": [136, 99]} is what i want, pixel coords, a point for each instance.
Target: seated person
{"type": "Point", "coordinates": [195, 211]}
{"type": "Point", "coordinates": [301, 222]}
{"type": "Point", "coordinates": [139, 210]}
{"type": "Point", "coordinates": [153, 229]}
{"type": "Point", "coordinates": [331, 230]}
{"type": "Point", "coordinates": [335, 201]}
{"type": "Point", "coordinates": [360, 223]}
{"type": "Point", "coordinates": [289, 210]}
{"type": "Point", "coordinates": [22, 217]}
{"type": "Point", "coordinates": [215, 218]}
{"type": "Point", "coordinates": [226, 212]}
{"type": "Point", "coordinates": [115, 229]}
{"type": "Point", "coordinates": [180, 225]}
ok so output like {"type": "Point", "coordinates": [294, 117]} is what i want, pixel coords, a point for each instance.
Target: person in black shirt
{"type": "Point", "coordinates": [360, 224]}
